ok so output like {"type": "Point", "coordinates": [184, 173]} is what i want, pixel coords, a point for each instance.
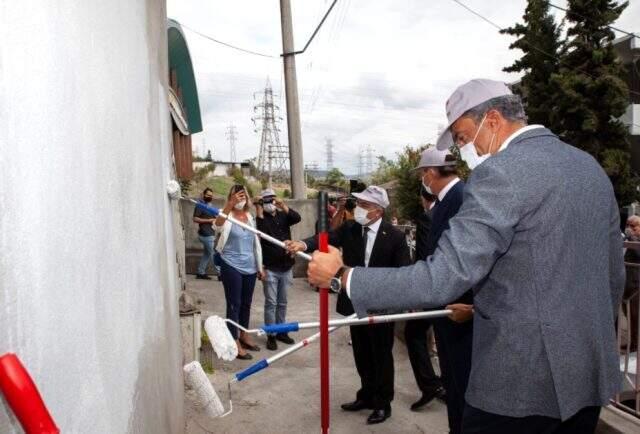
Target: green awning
{"type": "Point", "coordinates": [180, 61]}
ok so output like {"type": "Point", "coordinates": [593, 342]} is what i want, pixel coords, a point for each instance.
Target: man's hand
{"type": "Point", "coordinates": [461, 312]}
{"type": "Point", "coordinates": [294, 246]}
{"type": "Point", "coordinates": [323, 267]}
{"type": "Point", "coordinates": [261, 275]}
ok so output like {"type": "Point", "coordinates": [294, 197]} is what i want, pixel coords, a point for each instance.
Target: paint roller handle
{"type": "Point", "coordinates": [256, 367]}
{"type": "Point", "coordinates": [206, 208]}
{"type": "Point", "coordinates": [281, 328]}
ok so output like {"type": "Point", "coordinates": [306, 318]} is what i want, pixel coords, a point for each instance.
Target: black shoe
{"type": "Point", "coordinates": [245, 356]}
{"type": "Point", "coordinates": [427, 398]}
{"type": "Point", "coordinates": [284, 338]}
{"type": "Point", "coordinates": [356, 405]}
{"type": "Point", "coordinates": [246, 346]}
{"type": "Point", "coordinates": [203, 277]}
{"type": "Point", "coordinates": [379, 416]}
{"type": "Point", "coordinates": [271, 343]}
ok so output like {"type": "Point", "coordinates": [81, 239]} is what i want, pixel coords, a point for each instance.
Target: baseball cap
{"type": "Point", "coordinates": [374, 194]}
{"type": "Point", "coordinates": [435, 158]}
{"type": "Point", "coordinates": [466, 97]}
{"type": "Point", "coordinates": [267, 193]}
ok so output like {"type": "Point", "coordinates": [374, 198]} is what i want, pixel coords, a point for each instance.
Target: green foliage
{"type": "Point", "coordinates": [385, 172]}
{"type": "Point", "coordinates": [335, 178]}
{"type": "Point", "coordinates": [591, 94]}
{"type": "Point", "coordinates": [539, 40]}
{"type": "Point", "coordinates": [408, 189]}
{"type": "Point", "coordinates": [286, 193]}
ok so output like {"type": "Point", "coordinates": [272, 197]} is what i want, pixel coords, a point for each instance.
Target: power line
{"type": "Point", "coordinates": [534, 47]}
{"type": "Point", "coordinates": [226, 44]}
{"type": "Point", "coordinates": [580, 16]}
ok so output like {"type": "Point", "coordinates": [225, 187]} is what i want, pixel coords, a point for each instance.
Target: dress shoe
{"type": "Point", "coordinates": [427, 398]}
{"type": "Point", "coordinates": [379, 416]}
{"type": "Point", "coordinates": [356, 405]}
{"type": "Point", "coordinates": [203, 277]}
{"type": "Point", "coordinates": [245, 356]}
{"type": "Point", "coordinates": [272, 345]}
{"type": "Point", "coordinates": [284, 338]}
{"type": "Point", "coordinates": [249, 347]}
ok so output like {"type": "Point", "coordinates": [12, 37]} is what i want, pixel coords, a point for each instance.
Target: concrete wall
{"type": "Point", "coordinates": [306, 228]}
{"type": "Point", "coordinates": [88, 275]}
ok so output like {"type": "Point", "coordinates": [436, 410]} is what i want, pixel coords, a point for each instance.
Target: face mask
{"type": "Point", "coordinates": [269, 207]}
{"type": "Point", "coordinates": [240, 205]}
{"type": "Point", "coordinates": [360, 215]}
{"type": "Point", "coordinates": [208, 199]}
{"type": "Point", "coordinates": [426, 187]}
{"type": "Point", "coordinates": [469, 153]}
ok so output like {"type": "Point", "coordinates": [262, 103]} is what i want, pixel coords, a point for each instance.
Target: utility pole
{"type": "Point", "coordinates": [360, 163]}
{"type": "Point", "coordinates": [232, 135]}
{"type": "Point", "coordinates": [293, 105]}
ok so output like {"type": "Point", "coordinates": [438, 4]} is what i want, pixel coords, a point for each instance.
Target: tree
{"type": "Point", "coordinates": [335, 178]}
{"type": "Point", "coordinates": [539, 40]}
{"type": "Point", "coordinates": [590, 94]}
{"type": "Point", "coordinates": [385, 172]}
{"type": "Point", "coordinates": [408, 189]}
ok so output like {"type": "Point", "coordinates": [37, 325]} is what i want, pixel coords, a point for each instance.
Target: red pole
{"type": "Point", "coordinates": [323, 244]}
{"type": "Point", "coordinates": [23, 397]}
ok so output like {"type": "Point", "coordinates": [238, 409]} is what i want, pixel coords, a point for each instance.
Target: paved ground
{"type": "Point", "coordinates": [284, 398]}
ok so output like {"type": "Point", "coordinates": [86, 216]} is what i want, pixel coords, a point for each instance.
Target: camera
{"type": "Point", "coordinates": [355, 186]}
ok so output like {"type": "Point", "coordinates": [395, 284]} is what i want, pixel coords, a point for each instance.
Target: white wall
{"type": "Point", "coordinates": [88, 278]}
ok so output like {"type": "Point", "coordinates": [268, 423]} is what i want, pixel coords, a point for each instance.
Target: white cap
{"type": "Point", "coordinates": [466, 97]}
{"type": "Point", "coordinates": [267, 193]}
{"type": "Point", "coordinates": [374, 194]}
{"type": "Point", "coordinates": [434, 158]}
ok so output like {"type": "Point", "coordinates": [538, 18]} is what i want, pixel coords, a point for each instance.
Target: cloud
{"type": "Point", "coordinates": [378, 72]}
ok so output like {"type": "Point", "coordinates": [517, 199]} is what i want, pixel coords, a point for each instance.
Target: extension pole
{"type": "Point", "coordinates": [323, 244]}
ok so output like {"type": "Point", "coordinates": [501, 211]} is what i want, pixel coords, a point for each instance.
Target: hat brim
{"type": "Point", "coordinates": [445, 141]}
{"type": "Point", "coordinates": [362, 196]}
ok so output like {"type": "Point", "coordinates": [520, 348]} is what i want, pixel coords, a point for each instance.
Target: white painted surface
{"type": "Point", "coordinates": [88, 278]}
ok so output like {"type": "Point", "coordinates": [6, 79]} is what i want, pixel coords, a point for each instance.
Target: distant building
{"type": "Point", "coordinates": [628, 49]}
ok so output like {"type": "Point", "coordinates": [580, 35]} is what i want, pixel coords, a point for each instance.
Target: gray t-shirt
{"type": "Point", "coordinates": [206, 229]}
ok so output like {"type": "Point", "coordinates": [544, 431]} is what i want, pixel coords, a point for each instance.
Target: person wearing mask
{"type": "Point", "coordinates": [206, 234]}
{"type": "Point", "coordinates": [541, 361]}
{"type": "Point", "coordinates": [368, 241]}
{"type": "Point", "coordinates": [416, 332]}
{"type": "Point", "coordinates": [241, 255]}
{"type": "Point", "coordinates": [275, 218]}
{"type": "Point", "coordinates": [632, 281]}
{"type": "Point", "coordinates": [343, 212]}
{"type": "Point", "coordinates": [454, 335]}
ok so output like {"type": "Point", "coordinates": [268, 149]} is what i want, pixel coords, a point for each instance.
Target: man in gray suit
{"type": "Point", "coordinates": [538, 239]}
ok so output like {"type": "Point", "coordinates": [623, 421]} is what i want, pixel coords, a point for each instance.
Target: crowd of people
{"type": "Point", "coordinates": [516, 354]}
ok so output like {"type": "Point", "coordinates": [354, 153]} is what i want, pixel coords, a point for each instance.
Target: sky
{"type": "Point", "coordinates": [377, 74]}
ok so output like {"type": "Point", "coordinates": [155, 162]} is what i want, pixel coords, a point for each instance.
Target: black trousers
{"type": "Point", "coordinates": [372, 351]}
{"type": "Point", "coordinates": [415, 335]}
{"type": "Point", "coordinates": [477, 421]}
{"type": "Point", "coordinates": [455, 344]}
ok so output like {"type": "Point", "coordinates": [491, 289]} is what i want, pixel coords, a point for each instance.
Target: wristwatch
{"type": "Point", "coordinates": [336, 281]}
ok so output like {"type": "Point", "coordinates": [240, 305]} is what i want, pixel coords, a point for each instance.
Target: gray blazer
{"type": "Point", "coordinates": [538, 237]}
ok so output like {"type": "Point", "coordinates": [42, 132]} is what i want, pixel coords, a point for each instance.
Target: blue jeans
{"type": "Point", "coordinates": [207, 255]}
{"type": "Point", "coordinates": [238, 290]}
{"type": "Point", "coordinates": [276, 284]}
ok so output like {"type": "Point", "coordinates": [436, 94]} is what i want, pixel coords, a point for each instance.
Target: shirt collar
{"type": "Point", "coordinates": [517, 133]}
{"type": "Point", "coordinates": [447, 187]}
{"type": "Point", "coordinates": [373, 227]}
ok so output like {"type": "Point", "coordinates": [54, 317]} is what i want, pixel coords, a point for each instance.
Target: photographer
{"type": "Point", "coordinates": [346, 205]}
{"type": "Point", "coordinates": [275, 218]}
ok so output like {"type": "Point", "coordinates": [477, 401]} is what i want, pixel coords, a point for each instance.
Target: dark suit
{"type": "Point", "coordinates": [415, 331]}
{"type": "Point", "coordinates": [372, 344]}
{"type": "Point", "coordinates": [454, 341]}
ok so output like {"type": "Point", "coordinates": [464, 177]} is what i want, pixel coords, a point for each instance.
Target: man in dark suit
{"type": "Point", "coordinates": [368, 241]}
{"type": "Point", "coordinates": [416, 331]}
{"type": "Point", "coordinates": [454, 337]}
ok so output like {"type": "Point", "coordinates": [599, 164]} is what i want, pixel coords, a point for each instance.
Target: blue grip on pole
{"type": "Point", "coordinates": [204, 207]}
{"type": "Point", "coordinates": [281, 328]}
{"type": "Point", "coordinates": [252, 369]}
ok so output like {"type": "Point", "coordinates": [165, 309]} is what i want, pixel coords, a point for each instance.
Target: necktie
{"type": "Point", "coordinates": [365, 238]}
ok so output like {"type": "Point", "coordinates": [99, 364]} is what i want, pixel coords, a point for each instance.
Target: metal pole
{"type": "Point", "coordinates": [298, 190]}
{"type": "Point", "coordinates": [323, 244]}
